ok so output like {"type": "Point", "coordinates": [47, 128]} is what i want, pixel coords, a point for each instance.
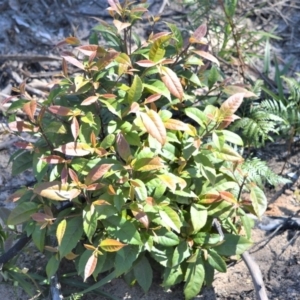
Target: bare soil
{"type": "Point", "coordinates": [31, 28]}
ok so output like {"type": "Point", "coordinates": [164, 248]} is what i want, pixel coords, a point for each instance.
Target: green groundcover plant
{"type": "Point", "coordinates": [133, 171]}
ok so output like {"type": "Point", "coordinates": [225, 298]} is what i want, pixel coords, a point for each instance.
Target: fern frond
{"type": "Point", "coordinates": [259, 173]}
{"type": "Point", "coordinates": [258, 126]}
{"type": "Point", "coordinates": [294, 88]}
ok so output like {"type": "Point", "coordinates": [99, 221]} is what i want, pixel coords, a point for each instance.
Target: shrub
{"type": "Point", "coordinates": [129, 169]}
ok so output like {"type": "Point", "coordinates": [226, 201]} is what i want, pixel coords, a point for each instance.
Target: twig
{"type": "Point", "coordinates": [163, 5]}
{"type": "Point", "coordinates": [14, 250]}
{"type": "Point", "coordinates": [256, 275]}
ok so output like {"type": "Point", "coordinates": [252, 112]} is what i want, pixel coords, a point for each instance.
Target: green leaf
{"type": "Point", "coordinates": [139, 189]}
{"type": "Point", "coordinates": [22, 213]}
{"type": "Point", "coordinates": [194, 278]}
{"type": "Point", "coordinates": [259, 201]}
{"type": "Point", "coordinates": [125, 258]}
{"type": "Point", "coordinates": [213, 76]}
{"type": "Point", "coordinates": [136, 89]}
{"type": "Point", "coordinates": [172, 276]}
{"type": "Point", "coordinates": [228, 154]}
{"type": "Point", "coordinates": [230, 7]}
{"type": "Point", "coordinates": [157, 87]}
{"type": "Point", "coordinates": [22, 162]}
{"type": "Point", "coordinates": [156, 52]}
{"type": "Point", "coordinates": [39, 167]}
{"type": "Point", "coordinates": [177, 36]}
{"type": "Point", "coordinates": [181, 252]}
{"type": "Point", "coordinates": [93, 39]}
{"type": "Point", "coordinates": [123, 230]}
{"type": "Point", "coordinates": [216, 261]}
{"type": "Point", "coordinates": [197, 115]}
{"type": "Point", "coordinates": [89, 223]}
{"type": "Point", "coordinates": [198, 217]}
{"type": "Point", "coordinates": [38, 237]}
{"type": "Point", "coordinates": [169, 218]}
{"type": "Point", "coordinates": [233, 138]}
{"type": "Point", "coordinates": [71, 237]}
{"type": "Point", "coordinates": [192, 77]}
{"type": "Point", "coordinates": [17, 104]}
{"type": "Point", "coordinates": [143, 273]}
{"type": "Point", "coordinates": [248, 223]}
{"type": "Point", "coordinates": [52, 266]}
{"type": "Point", "coordinates": [162, 255]}
{"type": "Point", "coordinates": [108, 141]}
{"type": "Point", "coordinates": [233, 245]}
{"type": "Point", "coordinates": [218, 139]}
{"type": "Point", "coordinates": [104, 209]}
{"type": "Point", "coordinates": [166, 238]}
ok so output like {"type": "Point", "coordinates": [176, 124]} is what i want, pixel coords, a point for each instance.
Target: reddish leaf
{"type": "Point", "coordinates": [22, 126]}
{"type": "Point", "coordinates": [60, 110]}
{"type": "Point", "coordinates": [24, 145]}
{"type": "Point", "coordinates": [152, 98]}
{"type": "Point", "coordinates": [93, 139]}
{"type": "Point", "coordinates": [16, 195]}
{"type": "Point", "coordinates": [200, 32]}
{"type": "Point", "coordinates": [75, 128]}
{"type": "Point", "coordinates": [227, 196]}
{"type": "Point", "coordinates": [207, 56]}
{"type": "Point", "coordinates": [64, 175]}
{"type": "Point", "coordinates": [41, 217]}
{"type": "Point", "coordinates": [141, 217]}
{"type": "Point", "coordinates": [154, 126]}
{"type": "Point", "coordinates": [114, 6]}
{"type": "Point", "coordinates": [100, 151]}
{"type": "Point", "coordinates": [210, 198]}
{"type": "Point", "coordinates": [95, 186]}
{"type": "Point", "coordinates": [158, 35]}
{"type": "Point", "coordinates": [172, 82]}
{"type": "Point", "coordinates": [134, 107]}
{"type": "Point", "coordinates": [55, 190]}
{"type": "Point", "coordinates": [89, 100]}
{"type": "Point", "coordinates": [74, 62]}
{"type": "Point", "coordinates": [71, 40]}
{"type": "Point", "coordinates": [123, 147]}
{"type": "Point", "coordinates": [29, 109]}
{"type": "Point", "coordinates": [90, 266]}
{"type": "Point", "coordinates": [167, 61]}
{"type": "Point", "coordinates": [108, 96]}
{"type": "Point", "coordinates": [74, 149]}
{"type": "Point", "coordinates": [120, 25]}
{"type": "Point", "coordinates": [88, 50]}
{"type": "Point", "coordinates": [231, 105]}
{"type": "Point", "coordinates": [64, 67]}
{"type": "Point", "coordinates": [73, 176]}
{"type": "Point", "coordinates": [174, 124]}
{"type": "Point", "coordinates": [53, 159]}
{"type": "Point", "coordinates": [96, 173]}
{"type": "Point", "coordinates": [146, 63]}
{"type": "Point", "coordinates": [150, 201]}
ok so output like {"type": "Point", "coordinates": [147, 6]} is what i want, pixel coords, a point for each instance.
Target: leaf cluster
{"type": "Point", "coordinates": [131, 166]}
